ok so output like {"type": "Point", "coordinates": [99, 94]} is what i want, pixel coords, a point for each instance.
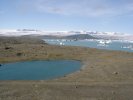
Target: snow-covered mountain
{"type": "Point", "coordinates": [112, 35]}
{"type": "Point", "coordinates": [20, 32]}
{"type": "Point", "coordinates": [102, 35]}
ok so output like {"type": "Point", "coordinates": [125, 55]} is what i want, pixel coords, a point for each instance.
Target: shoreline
{"type": "Point", "coordinates": [87, 56]}
{"type": "Point", "coordinates": [103, 75]}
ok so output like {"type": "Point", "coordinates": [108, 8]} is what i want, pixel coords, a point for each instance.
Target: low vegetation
{"type": "Point", "coordinates": [105, 75]}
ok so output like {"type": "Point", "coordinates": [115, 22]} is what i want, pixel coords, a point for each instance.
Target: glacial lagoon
{"type": "Point", "coordinates": [38, 70]}
{"type": "Point", "coordinates": [119, 45]}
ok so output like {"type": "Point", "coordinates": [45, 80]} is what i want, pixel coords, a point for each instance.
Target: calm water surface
{"type": "Point", "coordinates": [100, 44]}
{"type": "Point", "coordinates": [38, 70]}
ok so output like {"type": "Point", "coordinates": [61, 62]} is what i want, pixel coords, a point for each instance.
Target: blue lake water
{"type": "Point", "coordinates": [100, 44]}
{"type": "Point", "coordinates": [38, 70]}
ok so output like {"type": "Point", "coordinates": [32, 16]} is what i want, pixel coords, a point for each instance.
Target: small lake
{"type": "Point", "coordinates": [38, 70]}
{"type": "Point", "coordinates": [119, 45]}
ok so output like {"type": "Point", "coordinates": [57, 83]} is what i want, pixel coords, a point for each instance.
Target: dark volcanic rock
{"type": "Point", "coordinates": [19, 54]}
{"type": "Point", "coordinates": [7, 48]}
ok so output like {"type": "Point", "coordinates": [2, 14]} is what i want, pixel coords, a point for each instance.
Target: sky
{"type": "Point", "coordinates": [67, 15]}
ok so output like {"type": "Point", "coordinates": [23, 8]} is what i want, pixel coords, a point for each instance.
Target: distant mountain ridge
{"type": "Point", "coordinates": [70, 37]}
{"type": "Point", "coordinates": [67, 34]}
{"type": "Point", "coordinates": [80, 36]}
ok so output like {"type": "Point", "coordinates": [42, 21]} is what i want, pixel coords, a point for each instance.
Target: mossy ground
{"type": "Point", "coordinates": [105, 75]}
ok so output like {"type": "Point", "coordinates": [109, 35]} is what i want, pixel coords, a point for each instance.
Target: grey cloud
{"type": "Point", "coordinates": [78, 7]}
{"type": "Point", "coordinates": [81, 7]}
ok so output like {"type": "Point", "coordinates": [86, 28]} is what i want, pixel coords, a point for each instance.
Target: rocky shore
{"type": "Point", "coordinates": [105, 75]}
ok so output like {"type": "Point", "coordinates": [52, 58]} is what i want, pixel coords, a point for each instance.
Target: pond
{"type": "Point", "coordinates": [38, 70]}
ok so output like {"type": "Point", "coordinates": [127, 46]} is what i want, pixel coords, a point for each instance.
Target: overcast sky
{"type": "Point", "coordinates": [65, 15]}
